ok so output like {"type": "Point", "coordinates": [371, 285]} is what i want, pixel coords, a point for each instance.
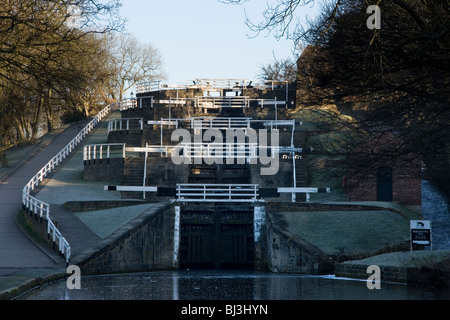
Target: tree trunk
{"type": "Point", "coordinates": [20, 131]}
{"type": "Point", "coordinates": [49, 111]}
{"type": "Point", "coordinates": [35, 121]}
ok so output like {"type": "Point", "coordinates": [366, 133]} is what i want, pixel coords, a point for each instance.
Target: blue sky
{"type": "Point", "coordinates": [204, 38]}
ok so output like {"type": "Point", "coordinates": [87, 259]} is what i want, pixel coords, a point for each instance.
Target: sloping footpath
{"type": "Point", "coordinates": [24, 263]}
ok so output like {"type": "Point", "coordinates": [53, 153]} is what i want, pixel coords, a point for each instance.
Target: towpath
{"type": "Point", "coordinates": [23, 260]}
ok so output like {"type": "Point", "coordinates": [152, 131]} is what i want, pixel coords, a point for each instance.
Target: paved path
{"type": "Point", "coordinates": [16, 250]}
{"type": "Point", "coordinates": [20, 258]}
{"type": "Point", "coordinates": [79, 236]}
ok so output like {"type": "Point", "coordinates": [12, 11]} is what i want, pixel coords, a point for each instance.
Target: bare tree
{"type": "Point", "coordinates": [133, 62]}
{"type": "Point", "coordinates": [280, 70]}
{"type": "Point", "coordinates": [388, 81]}
{"type": "Point", "coordinates": [42, 44]}
{"type": "Point", "coordinates": [281, 17]}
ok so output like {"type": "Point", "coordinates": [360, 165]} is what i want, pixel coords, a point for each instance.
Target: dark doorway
{"type": "Point", "coordinates": [384, 184]}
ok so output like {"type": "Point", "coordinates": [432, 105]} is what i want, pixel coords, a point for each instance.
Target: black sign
{"type": "Point", "coordinates": [420, 235]}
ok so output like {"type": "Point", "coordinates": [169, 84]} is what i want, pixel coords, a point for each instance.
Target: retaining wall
{"type": "Point", "coordinates": [132, 138]}
{"type": "Point", "coordinates": [287, 252]}
{"type": "Point", "coordinates": [39, 225]}
{"type": "Point", "coordinates": [145, 243]}
{"type": "Point", "coordinates": [359, 271]}
{"type": "Point", "coordinates": [104, 170]}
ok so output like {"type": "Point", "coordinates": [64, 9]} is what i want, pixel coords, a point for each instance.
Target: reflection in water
{"type": "Point", "coordinates": [227, 285]}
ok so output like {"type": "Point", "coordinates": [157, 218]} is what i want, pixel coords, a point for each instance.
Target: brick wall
{"type": "Point", "coordinates": [406, 187]}
{"type": "Point", "coordinates": [363, 164]}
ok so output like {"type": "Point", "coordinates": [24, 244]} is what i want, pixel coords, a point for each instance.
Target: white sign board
{"type": "Point", "coordinates": [420, 232]}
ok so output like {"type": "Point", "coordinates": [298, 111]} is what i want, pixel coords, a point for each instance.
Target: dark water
{"type": "Point", "coordinates": [249, 285]}
{"type": "Point", "coordinates": [228, 285]}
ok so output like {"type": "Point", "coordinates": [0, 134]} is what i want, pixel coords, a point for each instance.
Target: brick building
{"type": "Point", "coordinates": [376, 172]}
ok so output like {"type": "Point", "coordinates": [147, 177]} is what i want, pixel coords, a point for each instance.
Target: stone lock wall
{"type": "Point", "coordinates": [145, 243]}
{"type": "Point", "coordinates": [104, 170]}
{"type": "Point", "coordinates": [288, 252]}
{"type": "Point", "coordinates": [359, 271]}
{"type": "Point", "coordinates": [281, 251]}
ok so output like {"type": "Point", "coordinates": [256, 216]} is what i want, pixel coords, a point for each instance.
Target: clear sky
{"type": "Point", "coordinates": [204, 38]}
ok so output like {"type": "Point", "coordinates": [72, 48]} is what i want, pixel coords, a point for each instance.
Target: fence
{"type": "Point", "coordinates": [33, 205]}
{"type": "Point", "coordinates": [222, 102]}
{"type": "Point", "coordinates": [126, 124]}
{"type": "Point", "coordinates": [219, 123]}
{"type": "Point", "coordinates": [126, 104]}
{"type": "Point", "coordinates": [103, 151]}
{"type": "Point", "coordinates": [213, 150]}
{"type": "Point", "coordinates": [217, 192]}
{"type": "Point", "coordinates": [148, 86]}
{"type": "Point", "coordinates": [211, 84]}
{"type": "Point", "coordinates": [189, 151]}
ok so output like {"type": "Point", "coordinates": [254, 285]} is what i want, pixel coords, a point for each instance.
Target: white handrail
{"type": "Point", "coordinates": [220, 123]}
{"type": "Point", "coordinates": [148, 86]}
{"type": "Point", "coordinates": [125, 124]}
{"type": "Point", "coordinates": [41, 208]}
{"type": "Point", "coordinates": [225, 150]}
{"type": "Point", "coordinates": [125, 104]}
{"type": "Point", "coordinates": [223, 101]}
{"type": "Point", "coordinates": [103, 151]}
{"type": "Point", "coordinates": [188, 192]}
{"type": "Point", "coordinates": [211, 84]}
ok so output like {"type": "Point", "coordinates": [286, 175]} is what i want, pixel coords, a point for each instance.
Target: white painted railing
{"type": "Point", "coordinates": [211, 84]}
{"type": "Point", "coordinates": [148, 86]}
{"type": "Point", "coordinates": [219, 123]}
{"type": "Point", "coordinates": [33, 205]}
{"type": "Point", "coordinates": [192, 150]}
{"type": "Point", "coordinates": [213, 150]}
{"type": "Point", "coordinates": [222, 192]}
{"type": "Point", "coordinates": [126, 124]}
{"type": "Point", "coordinates": [163, 150]}
{"type": "Point", "coordinates": [222, 102]}
{"type": "Point", "coordinates": [104, 151]}
{"type": "Point", "coordinates": [125, 104]}
{"type": "Point", "coordinates": [186, 192]}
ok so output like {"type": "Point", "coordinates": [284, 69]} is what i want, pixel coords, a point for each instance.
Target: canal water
{"type": "Point", "coordinates": [227, 285]}
{"type": "Point", "coordinates": [251, 285]}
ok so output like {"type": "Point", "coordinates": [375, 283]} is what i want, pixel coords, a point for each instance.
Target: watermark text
{"type": "Point", "coordinates": [74, 280]}
{"type": "Point", "coordinates": [374, 20]}
{"type": "Point", "coordinates": [374, 280]}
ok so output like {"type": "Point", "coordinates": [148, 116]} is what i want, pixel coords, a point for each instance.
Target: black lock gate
{"type": "Point", "coordinates": [216, 236]}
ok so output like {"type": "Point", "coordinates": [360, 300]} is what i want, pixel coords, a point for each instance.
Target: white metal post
{"type": "Point", "coordinates": [294, 195]}
{"type": "Point", "coordinates": [161, 134]}
{"type": "Point", "coordinates": [145, 169]}
{"type": "Point", "coordinates": [276, 112]}
{"type": "Point", "coordinates": [170, 109]}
